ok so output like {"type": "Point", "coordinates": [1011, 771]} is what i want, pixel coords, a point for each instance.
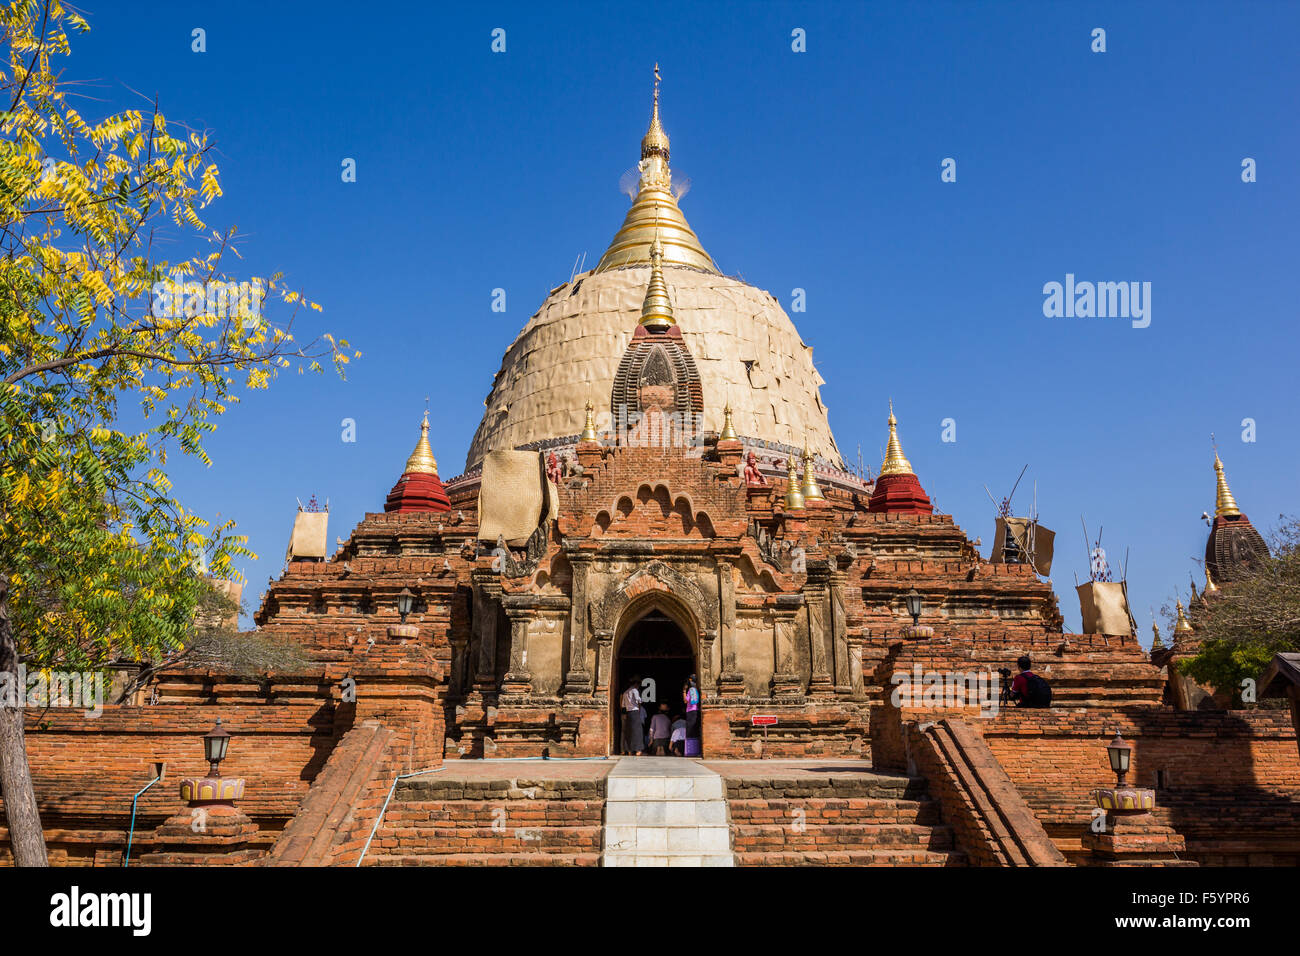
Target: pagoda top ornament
{"type": "Point", "coordinates": [655, 211]}
{"type": "Point", "coordinates": [895, 462]}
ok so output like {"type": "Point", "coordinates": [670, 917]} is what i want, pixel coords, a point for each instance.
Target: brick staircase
{"type": "Point", "coordinates": [666, 812]}
{"type": "Point", "coordinates": [859, 819]}
{"type": "Point", "coordinates": [444, 821]}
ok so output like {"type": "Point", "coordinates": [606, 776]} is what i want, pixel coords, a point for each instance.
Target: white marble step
{"type": "Point", "coordinates": [665, 811]}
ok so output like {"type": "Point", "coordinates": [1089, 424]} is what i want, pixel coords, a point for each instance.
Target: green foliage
{"type": "Point", "coordinates": [98, 384]}
{"type": "Point", "coordinates": [1245, 623]}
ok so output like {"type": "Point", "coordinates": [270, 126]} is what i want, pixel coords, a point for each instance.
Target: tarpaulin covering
{"type": "Point", "coordinates": [511, 496]}
{"type": "Point", "coordinates": [1033, 539]}
{"type": "Point", "coordinates": [308, 537]}
{"type": "Point", "coordinates": [1104, 605]}
{"type": "Point", "coordinates": [746, 348]}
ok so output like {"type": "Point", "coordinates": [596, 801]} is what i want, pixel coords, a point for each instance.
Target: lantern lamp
{"type": "Point", "coordinates": [913, 601]}
{"type": "Point", "coordinates": [215, 742]}
{"type": "Point", "coordinates": [405, 601]}
{"type": "Point", "coordinates": [1120, 753]}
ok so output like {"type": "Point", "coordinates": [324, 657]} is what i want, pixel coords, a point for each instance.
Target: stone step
{"type": "Point", "coordinates": [860, 835]}
{"type": "Point", "coordinates": [663, 840]}
{"type": "Point", "coordinates": [654, 787]}
{"type": "Point", "coordinates": [816, 788]}
{"type": "Point", "coordinates": [487, 859]}
{"type": "Point", "coordinates": [456, 812]}
{"type": "Point", "coordinates": [678, 859]}
{"type": "Point", "coordinates": [865, 810]}
{"type": "Point", "coordinates": [435, 839]}
{"type": "Point", "coordinates": [891, 857]}
{"type": "Point", "coordinates": [666, 812]}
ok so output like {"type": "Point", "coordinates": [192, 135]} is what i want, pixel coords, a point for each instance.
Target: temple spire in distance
{"type": "Point", "coordinates": [655, 141]}
{"type": "Point", "coordinates": [1224, 503]}
{"type": "Point", "coordinates": [1233, 545]}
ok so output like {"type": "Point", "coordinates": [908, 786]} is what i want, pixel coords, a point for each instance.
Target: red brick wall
{"type": "Point", "coordinates": [434, 820]}
{"type": "Point", "coordinates": [872, 820]}
{"type": "Point", "coordinates": [1231, 778]}
{"type": "Point", "coordinates": [90, 768]}
{"type": "Point", "coordinates": [1066, 751]}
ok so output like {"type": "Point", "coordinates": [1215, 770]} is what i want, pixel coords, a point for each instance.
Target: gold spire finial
{"type": "Point", "coordinates": [656, 198]}
{"type": "Point", "coordinates": [589, 426]}
{"type": "Point", "coordinates": [1155, 634]}
{"type": "Point", "coordinates": [811, 490]}
{"type": "Point", "coordinates": [793, 494]}
{"type": "Point", "coordinates": [895, 462]}
{"type": "Point", "coordinates": [657, 308]}
{"type": "Point", "coordinates": [655, 141]}
{"type": "Point", "coordinates": [1210, 586]}
{"type": "Point", "coordinates": [1182, 625]}
{"type": "Point", "coordinates": [728, 429]}
{"type": "Point", "coordinates": [1225, 504]}
{"type": "Point", "coordinates": [422, 461]}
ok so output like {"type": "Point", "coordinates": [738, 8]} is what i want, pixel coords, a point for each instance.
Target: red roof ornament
{"type": "Point", "coordinates": [419, 488]}
{"type": "Point", "coordinates": [897, 489]}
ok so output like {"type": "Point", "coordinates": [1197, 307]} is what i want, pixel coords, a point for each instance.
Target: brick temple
{"type": "Point", "coordinates": [654, 492]}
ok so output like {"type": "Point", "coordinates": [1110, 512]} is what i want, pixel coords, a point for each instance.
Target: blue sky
{"type": "Point", "coordinates": [817, 170]}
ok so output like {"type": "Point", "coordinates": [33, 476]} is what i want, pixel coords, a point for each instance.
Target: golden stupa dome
{"type": "Point", "coordinates": [746, 349]}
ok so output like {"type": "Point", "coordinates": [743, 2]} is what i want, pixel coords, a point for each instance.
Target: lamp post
{"type": "Point", "coordinates": [1120, 753]}
{"type": "Point", "coordinates": [215, 743]}
{"type": "Point", "coordinates": [1126, 831]}
{"type": "Point", "coordinates": [209, 830]}
{"type": "Point", "coordinates": [214, 788]}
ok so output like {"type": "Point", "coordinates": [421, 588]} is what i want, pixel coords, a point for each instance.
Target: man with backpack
{"type": "Point", "coordinates": [1028, 689]}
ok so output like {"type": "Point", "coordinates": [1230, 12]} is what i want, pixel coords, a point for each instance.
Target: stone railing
{"type": "Point", "coordinates": [992, 822]}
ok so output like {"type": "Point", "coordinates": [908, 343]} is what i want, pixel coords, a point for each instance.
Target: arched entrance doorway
{"type": "Point", "coordinates": [659, 653]}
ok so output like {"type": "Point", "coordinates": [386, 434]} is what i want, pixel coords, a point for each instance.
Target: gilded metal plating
{"type": "Point", "coordinates": [811, 490]}
{"type": "Point", "coordinates": [896, 462]}
{"type": "Point", "coordinates": [657, 308]}
{"type": "Point", "coordinates": [1224, 504]}
{"type": "Point", "coordinates": [793, 493]}
{"type": "Point", "coordinates": [422, 461]}
{"type": "Point", "coordinates": [655, 211]}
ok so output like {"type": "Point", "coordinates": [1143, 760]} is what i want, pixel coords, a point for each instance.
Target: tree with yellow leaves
{"type": "Point", "coordinates": [98, 560]}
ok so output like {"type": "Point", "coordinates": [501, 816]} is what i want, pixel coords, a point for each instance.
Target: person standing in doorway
{"type": "Point", "coordinates": [677, 740]}
{"type": "Point", "coordinates": [630, 705]}
{"type": "Point", "coordinates": [660, 729]}
{"type": "Point", "coordinates": [691, 697]}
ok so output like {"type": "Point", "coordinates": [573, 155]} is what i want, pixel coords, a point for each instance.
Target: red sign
{"type": "Point", "coordinates": [763, 720]}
